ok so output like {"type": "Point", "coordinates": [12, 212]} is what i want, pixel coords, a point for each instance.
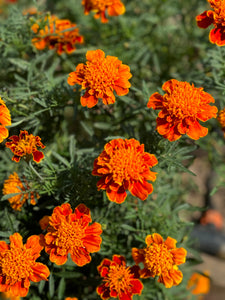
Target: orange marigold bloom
{"type": "Point", "coordinates": [221, 119]}
{"type": "Point", "coordinates": [5, 120]}
{"type": "Point", "coordinates": [99, 77]}
{"type": "Point", "coordinates": [25, 145]}
{"type": "Point", "coordinates": [215, 17]}
{"type": "Point", "coordinates": [182, 107]}
{"type": "Point", "coordinates": [70, 232]}
{"type": "Point", "coordinates": [58, 34]}
{"type": "Point", "coordinates": [100, 7]}
{"type": "Point", "coordinates": [18, 265]}
{"type": "Point", "coordinates": [160, 259]}
{"type": "Point", "coordinates": [199, 283]}
{"type": "Point", "coordinates": [123, 165]}
{"type": "Point", "coordinates": [71, 298]}
{"type": "Point", "coordinates": [14, 185]}
{"type": "Point", "coordinates": [118, 279]}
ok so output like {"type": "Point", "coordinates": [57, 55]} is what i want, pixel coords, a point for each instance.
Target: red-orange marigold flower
{"type": "Point", "coordinates": [70, 232]}
{"type": "Point", "coordinates": [182, 107]}
{"type": "Point", "coordinates": [221, 119]}
{"type": "Point", "coordinates": [215, 17]}
{"type": "Point", "coordinates": [5, 120]}
{"type": "Point", "coordinates": [123, 165]}
{"type": "Point", "coordinates": [119, 281]}
{"type": "Point", "coordinates": [71, 298]}
{"type": "Point", "coordinates": [14, 185]}
{"type": "Point", "coordinates": [25, 145]}
{"type": "Point", "coordinates": [58, 34]}
{"type": "Point", "coordinates": [100, 77]}
{"type": "Point", "coordinates": [160, 259]}
{"type": "Point", "coordinates": [100, 7]}
{"type": "Point", "coordinates": [18, 265]}
{"type": "Point", "coordinates": [199, 283]}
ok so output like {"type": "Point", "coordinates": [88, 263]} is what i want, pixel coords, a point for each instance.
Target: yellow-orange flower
{"type": "Point", "coordinates": [70, 232]}
{"type": "Point", "coordinates": [199, 283]}
{"type": "Point", "coordinates": [100, 7]}
{"type": "Point", "coordinates": [123, 165]}
{"type": "Point", "coordinates": [25, 145]}
{"type": "Point", "coordinates": [221, 119]}
{"type": "Point", "coordinates": [5, 120]}
{"type": "Point", "coordinates": [182, 107]}
{"type": "Point", "coordinates": [160, 258]}
{"type": "Point", "coordinates": [100, 77]}
{"type": "Point", "coordinates": [18, 265]}
{"type": "Point", "coordinates": [215, 17]}
{"type": "Point", "coordinates": [58, 34]}
{"type": "Point", "coordinates": [14, 185]}
{"type": "Point", "coordinates": [119, 280]}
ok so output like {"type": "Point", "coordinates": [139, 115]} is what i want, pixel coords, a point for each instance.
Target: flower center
{"type": "Point", "coordinates": [183, 101]}
{"type": "Point", "coordinates": [126, 164]}
{"type": "Point", "coordinates": [101, 4]}
{"type": "Point", "coordinates": [119, 278]}
{"type": "Point", "coordinates": [100, 75]}
{"type": "Point", "coordinates": [158, 259]}
{"type": "Point", "coordinates": [16, 264]}
{"type": "Point", "coordinates": [69, 236]}
{"type": "Point", "coordinates": [25, 145]}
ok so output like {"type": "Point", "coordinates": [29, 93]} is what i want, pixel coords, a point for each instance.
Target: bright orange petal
{"type": "Point", "coordinates": [179, 255]}
{"type": "Point", "coordinates": [170, 243]}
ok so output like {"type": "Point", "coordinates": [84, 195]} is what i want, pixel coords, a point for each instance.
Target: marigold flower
{"type": "Point", "coordinates": [182, 107]}
{"type": "Point", "coordinates": [215, 17]}
{"type": "Point", "coordinates": [71, 298]}
{"type": "Point", "coordinates": [99, 77]}
{"type": "Point", "coordinates": [199, 283]}
{"type": "Point", "coordinates": [14, 185]}
{"type": "Point", "coordinates": [123, 165]}
{"type": "Point", "coordinates": [18, 265]}
{"type": "Point", "coordinates": [118, 279]}
{"type": "Point", "coordinates": [160, 259]}
{"type": "Point", "coordinates": [100, 7]}
{"type": "Point", "coordinates": [221, 119]}
{"type": "Point", "coordinates": [5, 120]}
{"type": "Point", "coordinates": [44, 222]}
{"type": "Point", "coordinates": [70, 232]}
{"type": "Point", "coordinates": [25, 145]}
{"type": "Point", "coordinates": [58, 34]}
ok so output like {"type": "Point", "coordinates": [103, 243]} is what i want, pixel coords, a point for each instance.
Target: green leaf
{"type": "Point", "coordinates": [61, 289]}
{"type": "Point", "coordinates": [51, 286]}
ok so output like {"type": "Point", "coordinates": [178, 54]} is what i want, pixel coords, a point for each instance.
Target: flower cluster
{"type": "Point", "coordinates": [160, 258]}
{"type": "Point", "coordinates": [13, 185]}
{"type": "Point", "coordinates": [58, 34]}
{"type": "Point", "coordinates": [100, 7]}
{"type": "Point", "coordinates": [100, 77]}
{"type": "Point", "coordinates": [5, 120]}
{"type": "Point", "coordinates": [182, 107]}
{"type": "Point", "coordinates": [70, 232]}
{"type": "Point", "coordinates": [123, 165]}
{"type": "Point", "coordinates": [215, 17]}
{"type": "Point", "coordinates": [25, 145]}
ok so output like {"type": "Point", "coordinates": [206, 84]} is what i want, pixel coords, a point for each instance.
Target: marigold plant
{"type": "Point", "coordinates": [123, 165]}
{"type": "Point", "coordinates": [100, 77]}
{"type": "Point", "coordinates": [25, 145]}
{"type": "Point", "coordinates": [58, 34]}
{"type": "Point", "coordinates": [119, 280]}
{"type": "Point", "coordinates": [199, 283]}
{"type": "Point", "coordinates": [160, 258]}
{"type": "Point", "coordinates": [18, 265]}
{"type": "Point", "coordinates": [5, 120]}
{"type": "Point", "coordinates": [100, 7]}
{"type": "Point", "coordinates": [70, 232]}
{"type": "Point", "coordinates": [215, 17]}
{"type": "Point", "coordinates": [182, 107]}
{"type": "Point", "coordinates": [14, 185]}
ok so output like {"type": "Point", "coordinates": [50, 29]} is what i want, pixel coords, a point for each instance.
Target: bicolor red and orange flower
{"type": "Point", "coordinates": [216, 17]}
{"type": "Point", "coordinates": [199, 284]}
{"type": "Point", "coordinates": [103, 7]}
{"type": "Point", "coordinates": [5, 120]}
{"type": "Point", "coordinates": [119, 280]}
{"type": "Point", "coordinates": [58, 34]}
{"type": "Point", "coordinates": [123, 165]}
{"type": "Point", "coordinates": [70, 232]}
{"type": "Point", "coordinates": [100, 77]}
{"type": "Point", "coordinates": [160, 258]}
{"type": "Point", "coordinates": [182, 107]}
{"type": "Point", "coordinates": [25, 145]}
{"type": "Point", "coordinates": [13, 185]}
{"type": "Point", "coordinates": [18, 265]}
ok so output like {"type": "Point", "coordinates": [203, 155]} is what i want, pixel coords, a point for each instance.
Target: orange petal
{"type": "Point", "coordinates": [40, 272]}
{"type": "Point", "coordinates": [203, 20]}
{"type": "Point", "coordinates": [177, 276]}
{"type": "Point", "coordinates": [138, 255]}
{"type": "Point", "coordinates": [57, 259]}
{"type": "Point", "coordinates": [166, 280]}
{"type": "Point", "coordinates": [33, 242]}
{"type": "Point", "coordinates": [155, 101]}
{"type": "Point", "coordinates": [88, 100]}
{"type": "Point", "coordinates": [3, 246]}
{"type": "Point", "coordinates": [141, 190]}
{"type": "Point", "coordinates": [92, 243]}
{"type": "Point", "coordinates": [81, 257]}
{"type": "Point", "coordinates": [196, 131]}
{"type": "Point", "coordinates": [179, 255]}
{"type": "Point", "coordinates": [170, 243]}
{"type": "Point", "coordinates": [16, 240]}
{"type": "Point", "coordinates": [117, 196]}
{"type": "Point", "coordinates": [154, 238]}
